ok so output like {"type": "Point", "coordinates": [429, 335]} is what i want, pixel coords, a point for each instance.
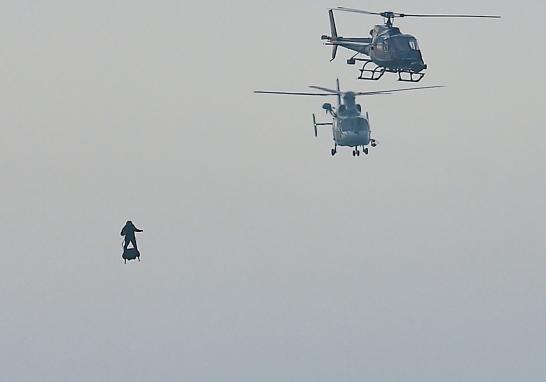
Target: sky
{"type": "Point", "coordinates": [264, 258]}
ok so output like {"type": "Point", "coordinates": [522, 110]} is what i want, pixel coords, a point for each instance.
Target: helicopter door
{"type": "Point", "coordinates": [386, 49]}
{"type": "Point", "coordinates": [336, 131]}
{"type": "Point", "coordinates": [382, 48]}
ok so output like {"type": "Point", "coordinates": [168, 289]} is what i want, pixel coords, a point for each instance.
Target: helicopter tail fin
{"type": "Point", "coordinates": [358, 44]}
{"type": "Point", "coordinates": [333, 31]}
{"type": "Point", "coordinates": [334, 52]}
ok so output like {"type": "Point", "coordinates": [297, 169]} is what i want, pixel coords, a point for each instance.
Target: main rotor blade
{"type": "Point", "coordinates": [294, 93]}
{"type": "Point", "coordinates": [432, 15]}
{"type": "Point", "coordinates": [396, 90]}
{"type": "Point", "coordinates": [334, 92]}
{"type": "Point", "coordinates": [399, 14]}
{"type": "Point", "coordinates": [357, 11]}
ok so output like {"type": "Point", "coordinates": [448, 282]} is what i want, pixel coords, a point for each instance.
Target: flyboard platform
{"type": "Point", "coordinates": [130, 254]}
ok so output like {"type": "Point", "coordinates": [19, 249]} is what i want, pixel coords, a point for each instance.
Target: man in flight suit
{"type": "Point", "coordinates": [129, 232]}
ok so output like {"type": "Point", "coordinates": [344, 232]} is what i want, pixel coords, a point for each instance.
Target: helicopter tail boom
{"type": "Point", "coordinates": [359, 45]}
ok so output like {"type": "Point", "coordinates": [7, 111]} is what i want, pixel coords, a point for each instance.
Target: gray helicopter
{"type": "Point", "coordinates": [387, 50]}
{"type": "Point", "coordinates": [350, 127]}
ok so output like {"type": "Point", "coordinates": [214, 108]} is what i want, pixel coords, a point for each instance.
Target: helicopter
{"type": "Point", "coordinates": [388, 49]}
{"type": "Point", "coordinates": [350, 127]}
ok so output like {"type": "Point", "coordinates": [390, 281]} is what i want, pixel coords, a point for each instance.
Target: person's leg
{"type": "Point", "coordinates": [133, 241]}
{"type": "Point", "coordinates": [125, 244]}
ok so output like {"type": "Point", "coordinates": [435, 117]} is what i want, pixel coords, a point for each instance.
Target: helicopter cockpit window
{"type": "Point", "coordinates": [413, 44]}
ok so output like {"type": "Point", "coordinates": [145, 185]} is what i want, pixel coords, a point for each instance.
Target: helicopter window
{"type": "Point", "coordinates": [382, 44]}
{"type": "Point", "coordinates": [386, 46]}
{"type": "Point", "coordinates": [413, 44]}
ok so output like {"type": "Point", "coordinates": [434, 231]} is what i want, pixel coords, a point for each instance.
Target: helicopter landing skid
{"type": "Point", "coordinates": [412, 76]}
{"type": "Point", "coordinates": [370, 73]}
{"type": "Point", "coordinates": [373, 72]}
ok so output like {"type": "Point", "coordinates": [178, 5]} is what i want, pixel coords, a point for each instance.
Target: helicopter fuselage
{"type": "Point", "coordinates": [349, 126]}
{"type": "Point", "coordinates": [395, 51]}
{"type": "Point", "coordinates": [390, 49]}
{"type": "Point", "coordinates": [351, 131]}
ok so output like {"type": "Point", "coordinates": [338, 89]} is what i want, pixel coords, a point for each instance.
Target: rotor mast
{"type": "Point", "coordinates": [389, 18]}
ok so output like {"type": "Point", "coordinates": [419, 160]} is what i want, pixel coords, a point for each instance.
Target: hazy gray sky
{"type": "Point", "coordinates": [265, 259]}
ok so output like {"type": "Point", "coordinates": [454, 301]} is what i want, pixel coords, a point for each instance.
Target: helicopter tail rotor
{"type": "Point", "coordinates": [315, 125]}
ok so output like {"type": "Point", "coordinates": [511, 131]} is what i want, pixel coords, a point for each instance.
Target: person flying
{"type": "Point", "coordinates": [129, 232]}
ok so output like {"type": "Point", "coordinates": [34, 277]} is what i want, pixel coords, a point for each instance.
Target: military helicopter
{"type": "Point", "coordinates": [349, 126]}
{"type": "Point", "coordinates": [388, 49]}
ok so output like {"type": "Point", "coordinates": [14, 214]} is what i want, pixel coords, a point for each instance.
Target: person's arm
{"type": "Point", "coordinates": [122, 233]}
{"type": "Point", "coordinates": [138, 230]}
